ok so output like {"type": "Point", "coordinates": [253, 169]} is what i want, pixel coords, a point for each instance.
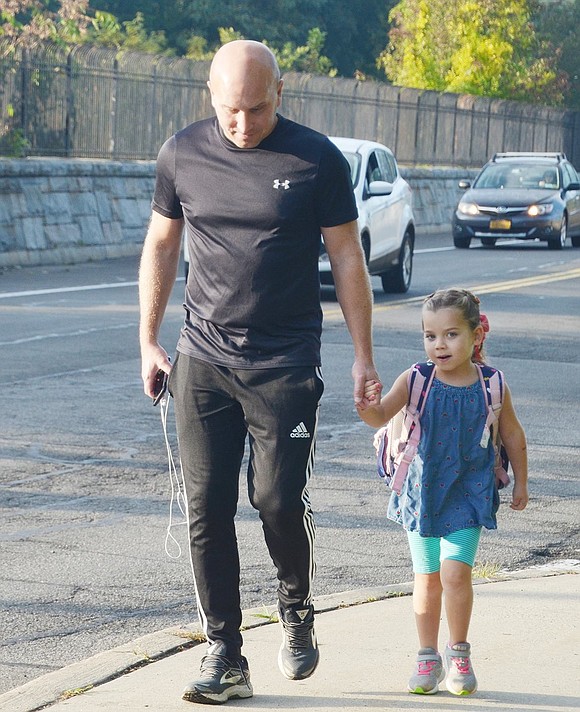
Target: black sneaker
{"type": "Point", "coordinates": [220, 679]}
{"type": "Point", "coordinates": [298, 656]}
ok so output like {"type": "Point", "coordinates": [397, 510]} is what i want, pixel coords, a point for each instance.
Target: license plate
{"type": "Point", "coordinates": [500, 224]}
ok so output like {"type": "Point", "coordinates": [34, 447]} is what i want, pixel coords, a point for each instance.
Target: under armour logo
{"type": "Point", "coordinates": [281, 184]}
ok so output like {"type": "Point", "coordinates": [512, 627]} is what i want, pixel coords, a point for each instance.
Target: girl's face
{"type": "Point", "coordinates": [449, 340]}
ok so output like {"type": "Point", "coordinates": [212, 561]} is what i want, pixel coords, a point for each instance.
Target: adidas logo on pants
{"type": "Point", "coordinates": [300, 432]}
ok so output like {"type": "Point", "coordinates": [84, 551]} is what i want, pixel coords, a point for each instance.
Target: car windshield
{"type": "Point", "coordinates": [354, 165]}
{"type": "Point", "coordinates": [518, 175]}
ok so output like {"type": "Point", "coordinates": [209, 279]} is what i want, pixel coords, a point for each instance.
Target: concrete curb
{"type": "Point", "coordinates": [108, 665]}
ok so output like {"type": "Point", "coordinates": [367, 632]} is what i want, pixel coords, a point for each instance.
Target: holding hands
{"type": "Point", "coordinates": [371, 394]}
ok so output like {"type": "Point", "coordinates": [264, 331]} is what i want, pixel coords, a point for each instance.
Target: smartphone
{"type": "Point", "coordinates": [159, 386]}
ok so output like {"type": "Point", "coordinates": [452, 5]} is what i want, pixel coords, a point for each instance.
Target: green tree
{"type": "Point", "coordinates": [25, 21]}
{"type": "Point", "coordinates": [355, 34]}
{"type": "Point", "coordinates": [106, 30]}
{"type": "Point", "coordinates": [291, 58]}
{"type": "Point", "coordinates": [557, 24]}
{"type": "Point", "coordinates": [197, 46]}
{"type": "Point", "coordinates": [70, 22]}
{"type": "Point", "coordinates": [305, 58]}
{"type": "Point", "coordinates": [284, 20]}
{"type": "Point", "coordinates": [482, 47]}
{"type": "Point", "coordinates": [355, 30]}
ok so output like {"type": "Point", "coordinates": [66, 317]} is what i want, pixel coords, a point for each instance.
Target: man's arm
{"type": "Point", "coordinates": [354, 294]}
{"type": "Point", "coordinates": [157, 272]}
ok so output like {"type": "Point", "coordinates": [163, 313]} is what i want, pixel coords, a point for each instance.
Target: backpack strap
{"type": "Point", "coordinates": [398, 443]}
{"type": "Point", "coordinates": [419, 383]}
{"type": "Point", "coordinates": [492, 384]}
{"type": "Point", "coordinates": [420, 380]}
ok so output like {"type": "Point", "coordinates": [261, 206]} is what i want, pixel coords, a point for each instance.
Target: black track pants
{"type": "Point", "coordinates": [277, 409]}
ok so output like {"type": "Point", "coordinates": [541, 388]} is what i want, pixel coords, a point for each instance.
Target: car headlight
{"type": "Point", "coordinates": [544, 209]}
{"type": "Point", "coordinates": [468, 209]}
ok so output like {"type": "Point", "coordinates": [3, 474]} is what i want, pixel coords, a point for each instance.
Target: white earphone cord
{"type": "Point", "coordinates": [176, 483]}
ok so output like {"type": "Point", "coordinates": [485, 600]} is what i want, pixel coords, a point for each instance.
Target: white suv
{"type": "Point", "coordinates": [385, 207]}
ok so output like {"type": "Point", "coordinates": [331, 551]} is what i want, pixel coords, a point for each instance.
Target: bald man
{"type": "Point", "coordinates": [255, 192]}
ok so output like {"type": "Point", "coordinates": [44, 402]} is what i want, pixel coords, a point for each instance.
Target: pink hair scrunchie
{"type": "Point", "coordinates": [484, 321]}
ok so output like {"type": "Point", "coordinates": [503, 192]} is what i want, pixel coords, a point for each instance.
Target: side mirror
{"type": "Point", "coordinates": [464, 184]}
{"type": "Point", "coordinates": [572, 186]}
{"type": "Point", "coordinates": [379, 187]}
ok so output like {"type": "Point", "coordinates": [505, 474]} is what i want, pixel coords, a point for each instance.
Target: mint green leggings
{"type": "Point", "coordinates": [427, 552]}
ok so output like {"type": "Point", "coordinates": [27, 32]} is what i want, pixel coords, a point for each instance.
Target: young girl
{"type": "Point", "coordinates": [449, 493]}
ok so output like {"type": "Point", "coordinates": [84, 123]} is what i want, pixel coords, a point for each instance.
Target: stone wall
{"type": "Point", "coordinates": [64, 211]}
{"type": "Point", "coordinates": [435, 195]}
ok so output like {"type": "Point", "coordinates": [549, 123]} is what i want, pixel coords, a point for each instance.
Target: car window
{"type": "Point", "coordinates": [569, 174]}
{"type": "Point", "coordinates": [353, 160]}
{"type": "Point", "coordinates": [518, 175]}
{"type": "Point", "coordinates": [388, 166]}
{"type": "Point", "coordinates": [549, 179]}
{"type": "Point", "coordinates": [374, 168]}
{"type": "Point", "coordinates": [492, 176]}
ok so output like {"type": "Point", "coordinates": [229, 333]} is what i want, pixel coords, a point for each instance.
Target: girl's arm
{"type": "Point", "coordinates": [391, 403]}
{"type": "Point", "coordinates": [514, 439]}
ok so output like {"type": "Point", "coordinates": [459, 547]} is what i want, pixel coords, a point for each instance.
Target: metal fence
{"type": "Point", "coordinates": [430, 128]}
{"type": "Point", "coordinates": [90, 102]}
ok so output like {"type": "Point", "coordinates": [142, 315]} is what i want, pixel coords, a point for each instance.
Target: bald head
{"type": "Point", "coordinates": [240, 57]}
{"type": "Point", "coordinates": [246, 89]}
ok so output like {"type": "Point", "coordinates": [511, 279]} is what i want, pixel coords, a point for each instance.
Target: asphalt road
{"type": "Point", "coordinates": [84, 485]}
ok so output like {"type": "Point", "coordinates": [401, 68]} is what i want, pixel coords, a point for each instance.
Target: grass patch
{"type": "Point", "coordinates": [270, 617]}
{"type": "Point", "coordinates": [143, 654]}
{"type": "Point", "coordinates": [486, 570]}
{"type": "Point", "coordinates": [68, 694]}
{"type": "Point", "coordinates": [195, 635]}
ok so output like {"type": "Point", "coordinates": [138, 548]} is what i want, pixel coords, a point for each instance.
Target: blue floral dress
{"type": "Point", "coordinates": [451, 483]}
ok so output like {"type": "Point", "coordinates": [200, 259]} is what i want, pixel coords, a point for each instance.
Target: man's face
{"type": "Point", "coordinates": [246, 109]}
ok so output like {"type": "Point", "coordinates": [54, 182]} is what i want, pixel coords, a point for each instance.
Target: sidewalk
{"type": "Point", "coordinates": [526, 653]}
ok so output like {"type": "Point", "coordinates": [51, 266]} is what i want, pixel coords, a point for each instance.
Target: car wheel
{"type": "Point", "coordinates": [462, 242]}
{"type": "Point", "coordinates": [488, 241]}
{"type": "Point", "coordinates": [560, 241]}
{"type": "Point", "coordinates": [398, 279]}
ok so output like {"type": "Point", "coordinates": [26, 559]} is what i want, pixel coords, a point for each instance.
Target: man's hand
{"type": "Point", "coordinates": [154, 358]}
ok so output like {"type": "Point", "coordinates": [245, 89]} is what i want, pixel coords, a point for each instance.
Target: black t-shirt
{"type": "Point", "coordinates": [253, 219]}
